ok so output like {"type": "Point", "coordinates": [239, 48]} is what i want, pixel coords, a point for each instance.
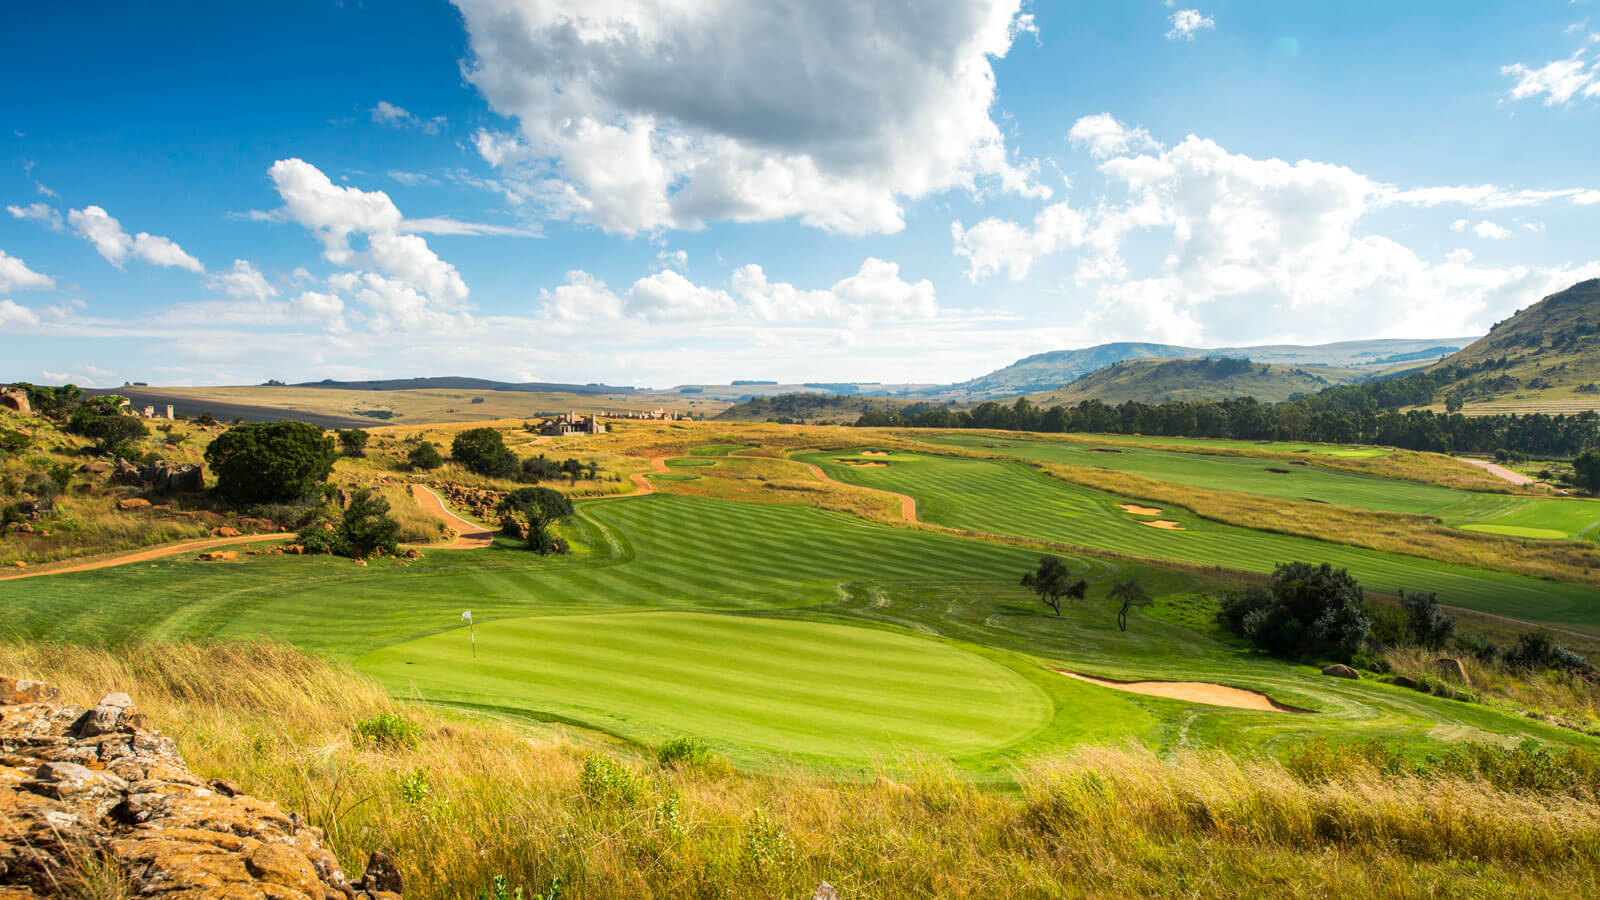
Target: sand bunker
{"type": "Point", "coordinates": [1103, 450]}
{"type": "Point", "coordinates": [1165, 525]}
{"type": "Point", "coordinates": [874, 453]}
{"type": "Point", "coordinates": [862, 464]}
{"type": "Point", "coordinates": [1192, 691]}
{"type": "Point", "coordinates": [1140, 510]}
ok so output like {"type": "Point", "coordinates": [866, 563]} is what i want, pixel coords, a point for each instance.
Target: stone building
{"type": "Point", "coordinates": [572, 423]}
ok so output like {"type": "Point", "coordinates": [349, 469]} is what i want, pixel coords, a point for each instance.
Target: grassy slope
{"type": "Point", "coordinates": [1012, 498]}
{"type": "Point", "coordinates": [1567, 518]}
{"type": "Point", "coordinates": [1531, 342]}
{"type": "Point", "coordinates": [1160, 380]}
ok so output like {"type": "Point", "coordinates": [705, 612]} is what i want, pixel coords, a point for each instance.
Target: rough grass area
{"type": "Point", "coordinates": [473, 799]}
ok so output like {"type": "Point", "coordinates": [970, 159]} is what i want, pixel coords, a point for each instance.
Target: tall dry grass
{"type": "Point", "coordinates": [1559, 693]}
{"type": "Point", "coordinates": [462, 801]}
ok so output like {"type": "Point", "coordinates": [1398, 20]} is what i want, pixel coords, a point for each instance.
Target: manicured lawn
{"type": "Point", "coordinates": [1002, 497]}
{"type": "Point", "coordinates": [778, 685]}
{"type": "Point", "coordinates": [716, 449]}
{"type": "Point", "coordinates": [1552, 517]}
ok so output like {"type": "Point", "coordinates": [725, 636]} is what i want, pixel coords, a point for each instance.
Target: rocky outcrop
{"type": "Point", "coordinates": [85, 788]}
{"type": "Point", "coordinates": [160, 476]}
{"type": "Point", "coordinates": [481, 503]}
{"type": "Point", "coordinates": [1339, 670]}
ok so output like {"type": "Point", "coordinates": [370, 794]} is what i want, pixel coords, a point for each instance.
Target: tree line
{"type": "Point", "coordinates": [1339, 415]}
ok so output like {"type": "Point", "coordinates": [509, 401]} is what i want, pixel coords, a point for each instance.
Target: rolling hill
{"type": "Point", "coordinates": [1544, 358]}
{"type": "Point", "coordinates": [1160, 380]}
{"type": "Point", "coordinates": [1049, 371]}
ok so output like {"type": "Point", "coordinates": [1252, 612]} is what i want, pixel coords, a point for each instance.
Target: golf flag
{"type": "Point", "coordinates": [471, 630]}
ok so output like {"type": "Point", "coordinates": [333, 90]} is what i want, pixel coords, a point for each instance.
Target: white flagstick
{"type": "Point", "coordinates": [473, 631]}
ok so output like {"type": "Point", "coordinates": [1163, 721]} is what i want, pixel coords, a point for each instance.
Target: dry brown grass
{"type": "Point", "coordinates": [474, 799]}
{"type": "Point", "coordinates": [1557, 693]}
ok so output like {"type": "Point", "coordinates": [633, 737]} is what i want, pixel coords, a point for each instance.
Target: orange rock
{"type": "Point", "coordinates": [133, 503]}
{"type": "Point", "coordinates": [219, 556]}
{"type": "Point", "coordinates": [226, 531]}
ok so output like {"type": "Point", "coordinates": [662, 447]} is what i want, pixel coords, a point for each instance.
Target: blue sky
{"type": "Point", "coordinates": [702, 190]}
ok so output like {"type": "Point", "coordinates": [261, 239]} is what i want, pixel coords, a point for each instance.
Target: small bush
{"type": "Point", "coordinates": [610, 783]}
{"type": "Point", "coordinates": [390, 731]}
{"type": "Point", "coordinates": [425, 456]}
{"type": "Point", "coordinates": [691, 753]}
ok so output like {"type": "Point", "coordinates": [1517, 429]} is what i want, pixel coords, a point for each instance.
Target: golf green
{"type": "Point", "coordinates": [779, 685]}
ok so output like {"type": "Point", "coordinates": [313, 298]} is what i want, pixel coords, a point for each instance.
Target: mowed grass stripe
{"type": "Point", "coordinates": [748, 681]}
{"type": "Point", "coordinates": [1010, 498]}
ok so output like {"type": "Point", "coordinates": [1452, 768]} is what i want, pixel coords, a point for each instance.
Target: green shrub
{"type": "Point", "coordinates": [691, 753]}
{"type": "Point", "coordinates": [610, 783]}
{"type": "Point", "coordinates": [390, 731]}
{"type": "Point", "coordinates": [425, 456]}
{"type": "Point", "coordinates": [271, 462]}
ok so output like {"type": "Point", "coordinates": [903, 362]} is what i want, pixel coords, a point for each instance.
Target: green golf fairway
{"type": "Point", "coordinates": [779, 685]}
{"type": "Point", "coordinates": [1550, 517]}
{"type": "Point", "coordinates": [1003, 497]}
{"type": "Point", "coordinates": [788, 616]}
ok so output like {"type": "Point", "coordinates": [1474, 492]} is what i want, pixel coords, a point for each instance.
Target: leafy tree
{"type": "Point", "coordinates": [1310, 611]}
{"type": "Point", "coordinates": [354, 441]}
{"type": "Point", "coordinates": [114, 434]}
{"type": "Point", "coordinates": [364, 529]}
{"type": "Point", "coordinates": [1426, 622]}
{"type": "Point", "coordinates": [1586, 468]}
{"type": "Point", "coordinates": [572, 468]}
{"type": "Point", "coordinates": [367, 525]}
{"type": "Point", "coordinates": [271, 462]}
{"type": "Point", "coordinates": [1131, 594]}
{"type": "Point", "coordinates": [1053, 581]}
{"type": "Point", "coordinates": [484, 451]}
{"type": "Point", "coordinates": [543, 508]}
{"type": "Point", "coordinates": [425, 456]}
{"type": "Point", "coordinates": [206, 419]}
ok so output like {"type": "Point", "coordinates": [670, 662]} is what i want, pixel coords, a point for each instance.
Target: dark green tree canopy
{"type": "Point", "coordinates": [1586, 469]}
{"type": "Point", "coordinates": [271, 462]}
{"type": "Point", "coordinates": [543, 508]}
{"type": "Point", "coordinates": [1132, 595]}
{"type": "Point", "coordinates": [354, 441]}
{"type": "Point", "coordinates": [425, 456]}
{"type": "Point", "coordinates": [1053, 581]}
{"type": "Point", "coordinates": [1310, 611]}
{"type": "Point", "coordinates": [484, 452]}
{"type": "Point", "coordinates": [1427, 623]}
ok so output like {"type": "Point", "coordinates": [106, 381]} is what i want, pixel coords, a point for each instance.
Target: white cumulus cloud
{"type": "Point", "coordinates": [42, 213]}
{"type": "Point", "coordinates": [97, 227]}
{"type": "Point", "coordinates": [670, 115]}
{"type": "Point", "coordinates": [16, 276]}
{"type": "Point", "coordinates": [1491, 231]}
{"type": "Point", "coordinates": [242, 282]}
{"type": "Point", "coordinates": [1185, 22]}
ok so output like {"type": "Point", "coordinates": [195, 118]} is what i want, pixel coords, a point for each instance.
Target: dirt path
{"type": "Point", "coordinates": [469, 535]}
{"type": "Point", "coordinates": [641, 481]}
{"type": "Point", "coordinates": [1498, 471]}
{"type": "Point", "coordinates": [1192, 691]}
{"type": "Point", "coordinates": [908, 505]}
{"type": "Point", "coordinates": [149, 553]}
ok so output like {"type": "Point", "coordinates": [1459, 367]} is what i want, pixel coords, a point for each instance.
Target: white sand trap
{"type": "Point", "coordinates": [874, 453]}
{"type": "Point", "coordinates": [1140, 510]}
{"type": "Point", "coordinates": [859, 464]}
{"type": "Point", "coordinates": [1192, 691]}
{"type": "Point", "coordinates": [1164, 525]}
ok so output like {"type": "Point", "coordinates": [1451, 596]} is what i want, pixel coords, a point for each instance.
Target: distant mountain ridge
{"type": "Point", "coordinates": [1217, 378]}
{"type": "Point", "coordinates": [1058, 368]}
{"type": "Point", "coordinates": [463, 383]}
